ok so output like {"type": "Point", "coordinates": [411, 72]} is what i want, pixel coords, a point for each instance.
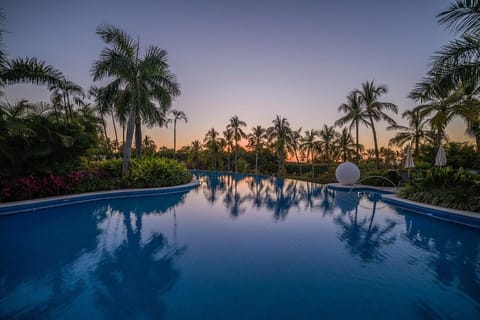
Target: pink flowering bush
{"type": "Point", "coordinates": [96, 176]}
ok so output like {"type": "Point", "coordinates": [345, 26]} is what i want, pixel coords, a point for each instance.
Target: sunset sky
{"type": "Point", "coordinates": [255, 59]}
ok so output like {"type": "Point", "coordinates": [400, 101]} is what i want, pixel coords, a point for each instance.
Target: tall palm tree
{"type": "Point", "coordinates": [256, 140]}
{"type": "Point", "coordinates": [142, 81]}
{"type": "Point", "coordinates": [415, 133]}
{"type": "Point", "coordinates": [355, 115]}
{"type": "Point", "coordinates": [293, 146]}
{"type": "Point", "coordinates": [228, 138]}
{"type": "Point", "coordinates": [279, 135]}
{"type": "Point", "coordinates": [212, 143]}
{"type": "Point", "coordinates": [328, 136]}
{"type": "Point", "coordinates": [177, 115]}
{"type": "Point", "coordinates": [310, 145]}
{"type": "Point", "coordinates": [375, 110]}
{"type": "Point", "coordinates": [235, 126]}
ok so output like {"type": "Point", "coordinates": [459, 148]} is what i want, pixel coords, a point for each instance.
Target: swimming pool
{"type": "Point", "coordinates": [238, 247]}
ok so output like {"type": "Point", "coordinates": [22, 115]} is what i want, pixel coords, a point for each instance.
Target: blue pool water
{"type": "Point", "coordinates": [238, 247]}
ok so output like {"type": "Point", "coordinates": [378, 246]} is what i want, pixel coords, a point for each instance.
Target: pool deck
{"type": "Point", "coordinates": [37, 204]}
{"type": "Point", "coordinates": [463, 217]}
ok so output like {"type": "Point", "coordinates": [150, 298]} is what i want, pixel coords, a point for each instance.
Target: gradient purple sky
{"type": "Point", "coordinates": [255, 59]}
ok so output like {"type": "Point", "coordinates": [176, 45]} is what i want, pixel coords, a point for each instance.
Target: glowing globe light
{"type": "Point", "coordinates": [347, 173]}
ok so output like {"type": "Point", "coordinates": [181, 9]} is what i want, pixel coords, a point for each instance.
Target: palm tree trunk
{"type": "Point", "coordinates": [377, 156]}
{"type": "Point", "coordinates": [298, 163]}
{"type": "Point", "coordinates": [256, 160]}
{"type": "Point", "coordinates": [138, 138]}
{"type": "Point", "coordinates": [114, 129]}
{"type": "Point", "coordinates": [327, 157]}
{"type": "Point", "coordinates": [313, 167]}
{"type": "Point", "coordinates": [236, 154]}
{"type": "Point", "coordinates": [357, 146]}
{"type": "Point", "coordinates": [127, 146]}
{"type": "Point", "coordinates": [477, 140]}
{"type": "Point", "coordinates": [69, 106]}
{"type": "Point", "coordinates": [228, 159]}
{"type": "Point", "coordinates": [104, 125]}
{"type": "Point", "coordinates": [438, 138]}
{"type": "Point", "coordinates": [174, 138]}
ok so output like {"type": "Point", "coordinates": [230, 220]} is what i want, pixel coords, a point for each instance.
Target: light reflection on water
{"type": "Point", "coordinates": [238, 247]}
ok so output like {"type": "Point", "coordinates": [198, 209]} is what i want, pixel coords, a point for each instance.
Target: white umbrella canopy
{"type": "Point", "coordinates": [441, 158]}
{"type": "Point", "coordinates": [409, 160]}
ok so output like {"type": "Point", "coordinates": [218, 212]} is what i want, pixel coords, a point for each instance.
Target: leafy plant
{"type": "Point", "coordinates": [445, 187]}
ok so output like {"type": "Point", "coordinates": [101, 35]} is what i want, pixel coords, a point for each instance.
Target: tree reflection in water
{"type": "Point", "coordinates": [90, 255]}
{"type": "Point", "coordinates": [276, 195]}
{"type": "Point", "coordinates": [454, 258]}
{"type": "Point", "coordinates": [362, 237]}
{"type": "Point", "coordinates": [145, 266]}
{"type": "Point", "coordinates": [233, 200]}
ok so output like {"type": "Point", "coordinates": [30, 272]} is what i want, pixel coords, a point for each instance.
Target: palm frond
{"type": "Point", "coordinates": [119, 39]}
{"type": "Point", "coordinates": [30, 70]}
{"type": "Point", "coordinates": [461, 16]}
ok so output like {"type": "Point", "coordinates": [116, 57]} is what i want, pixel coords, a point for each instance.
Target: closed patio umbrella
{"type": "Point", "coordinates": [409, 160]}
{"type": "Point", "coordinates": [441, 158]}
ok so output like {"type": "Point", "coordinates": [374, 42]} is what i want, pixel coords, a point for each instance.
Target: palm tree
{"type": "Point", "coordinates": [104, 101]}
{"type": "Point", "coordinates": [346, 145]}
{"type": "Point", "coordinates": [328, 136]}
{"type": "Point", "coordinates": [177, 115]}
{"type": "Point", "coordinates": [68, 91]}
{"type": "Point", "coordinates": [440, 102]}
{"type": "Point", "coordinates": [195, 149]}
{"type": "Point", "coordinates": [415, 133]}
{"type": "Point", "coordinates": [460, 56]}
{"type": "Point", "coordinates": [141, 81]}
{"type": "Point", "coordinates": [355, 116]}
{"type": "Point", "coordinates": [294, 144]}
{"type": "Point", "coordinates": [212, 143]}
{"type": "Point", "coordinates": [374, 109]}
{"type": "Point", "coordinates": [228, 138]}
{"type": "Point", "coordinates": [310, 145]}
{"type": "Point", "coordinates": [256, 140]}
{"type": "Point", "coordinates": [457, 64]}
{"type": "Point", "coordinates": [235, 126]}
{"type": "Point", "coordinates": [149, 145]}
{"type": "Point", "coordinates": [279, 135]}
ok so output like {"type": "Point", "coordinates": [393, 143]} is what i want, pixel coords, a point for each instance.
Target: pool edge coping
{"type": "Point", "coordinates": [56, 201]}
{"type": "Point", "coordinates": [442, 213]}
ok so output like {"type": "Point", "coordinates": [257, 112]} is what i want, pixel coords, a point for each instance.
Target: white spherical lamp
{"type": "Point", "coordinates": [347, 173]}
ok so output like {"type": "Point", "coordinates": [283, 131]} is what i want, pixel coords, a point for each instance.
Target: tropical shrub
{"type": "Point", "coordinates": [156, 172]}
{"type": "Point", "coordinates": [97, 176]}
{"type": "Point", "coordinates": [445, 187]}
